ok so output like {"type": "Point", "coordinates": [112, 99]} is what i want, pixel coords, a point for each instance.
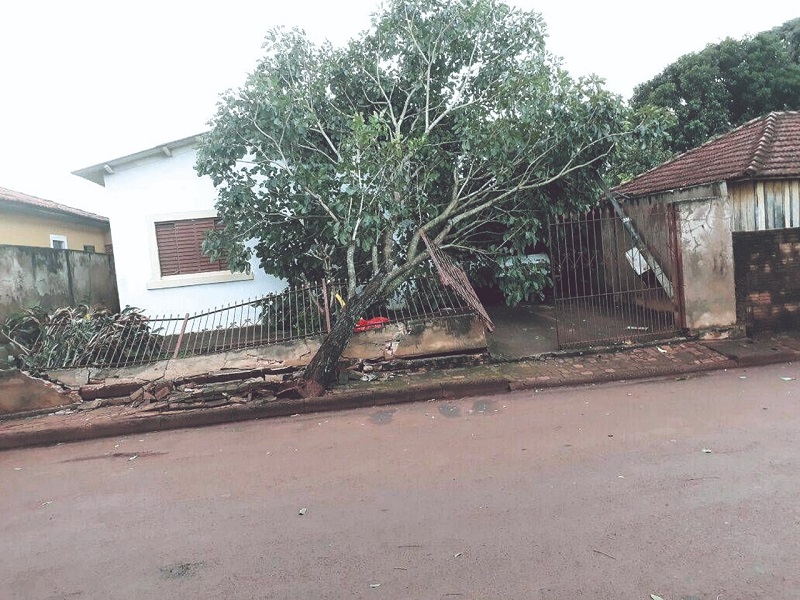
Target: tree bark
{"type": "Point", "coordinates": [321, 371]}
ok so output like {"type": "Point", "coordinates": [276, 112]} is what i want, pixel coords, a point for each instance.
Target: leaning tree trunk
{"type": "Point", "coordinates": [321, 371]}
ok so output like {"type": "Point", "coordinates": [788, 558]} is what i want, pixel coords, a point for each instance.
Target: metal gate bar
{"type": "Point", "coordinates": [453, 277]}
{"type": "Point", "coordinates": [616, 275]}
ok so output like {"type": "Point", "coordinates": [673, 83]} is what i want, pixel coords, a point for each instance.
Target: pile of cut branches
{"type": "Point", "coordinates": [81, 336]}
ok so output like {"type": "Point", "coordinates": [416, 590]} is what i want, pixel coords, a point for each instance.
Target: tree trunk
{"type": "Point", "coordinates": [321, 371]}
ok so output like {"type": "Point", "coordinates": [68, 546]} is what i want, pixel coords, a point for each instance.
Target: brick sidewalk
{"type": "Point", "coordinates": [636, 363]}
{"type": "Point", "coordinates": [554, 371]}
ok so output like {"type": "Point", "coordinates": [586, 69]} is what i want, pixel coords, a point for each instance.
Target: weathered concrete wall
{"type": "Point", "coordinates": [52, 278]}
{"type": "Point", "coordinates": [707, 259]}
{"type": "Point", "coordinates": [421, 338]}
{"type": "Point", "coordinates": [20, 393]}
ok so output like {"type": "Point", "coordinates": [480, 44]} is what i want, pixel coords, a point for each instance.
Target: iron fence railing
{"type": "Point", "coordinates": [454, 278]}
{"type": "Point", "coordinates": [616, 275]}
{"type": "Point", "coordinates": [295, 313]}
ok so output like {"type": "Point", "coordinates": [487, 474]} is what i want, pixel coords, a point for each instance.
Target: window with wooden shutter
{"type": "Point", "coordinates": [180, 247]}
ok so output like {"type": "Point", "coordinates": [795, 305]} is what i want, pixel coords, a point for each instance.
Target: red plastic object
{"type": "Point", "coordinates": [367, 324]}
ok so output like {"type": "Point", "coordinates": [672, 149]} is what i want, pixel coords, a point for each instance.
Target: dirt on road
{"type": "Point", "coordinates": [686, 489]}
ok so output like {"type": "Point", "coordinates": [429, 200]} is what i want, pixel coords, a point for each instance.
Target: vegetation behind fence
{"type": "Point", "coordinates": [78, 337]}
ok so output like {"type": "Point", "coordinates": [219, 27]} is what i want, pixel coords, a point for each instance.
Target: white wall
{"type": "Point", "coordinates": [138, 193]}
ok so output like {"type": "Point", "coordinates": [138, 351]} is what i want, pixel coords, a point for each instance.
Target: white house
{"type": "Point", "coordinates": [159, 211]}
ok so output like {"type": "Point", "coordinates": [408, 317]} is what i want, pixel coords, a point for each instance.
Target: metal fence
{"type": "Point", "coordinates": [454, 278]}
{"type": "Point", "coordinates": [616, 275]}
{"type": "Point", "coordinates": [295, 313]}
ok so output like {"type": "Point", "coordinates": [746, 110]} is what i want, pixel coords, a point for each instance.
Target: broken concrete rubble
{"type": "Point", "coordinates": [161, 390]}
{"type": "Point", "coordinates": [20, 393]}
{"type": "Point", "coordinates": [259, 386]}
{"type": "Point", "coordinates": [108, 390]}
{"type": "Point", "coordinates": [258, 375]}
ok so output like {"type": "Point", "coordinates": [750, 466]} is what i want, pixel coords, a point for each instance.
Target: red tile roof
{"type": "Point", "coordinates": [765, 147]}
{"type": "Point", "coordinates": [25, 201]}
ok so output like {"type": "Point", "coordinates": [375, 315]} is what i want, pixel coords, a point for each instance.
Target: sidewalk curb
{"type": "Point", "coordinates": [539, 384]}
{"type": "Point", "coordinates": [137, 423]}
{"type": "Point", "coordinates": [766, 359]}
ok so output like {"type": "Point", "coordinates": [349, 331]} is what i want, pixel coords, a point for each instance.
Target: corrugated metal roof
{"type": "Point", "coordinates": [25, 200]}
{"type": "Point", "coordinates": [765, 147]}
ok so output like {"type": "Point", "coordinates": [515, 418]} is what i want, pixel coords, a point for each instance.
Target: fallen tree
{"type": "Point", "coordinates": [447, 117]}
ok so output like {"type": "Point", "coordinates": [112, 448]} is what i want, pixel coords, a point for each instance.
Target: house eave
{"type": "Point", "coordinates": [97, 173]}
{"type": "Point", "coordinates": [671, 191]}
{"type": "Point", "coordinates": [98, 221]}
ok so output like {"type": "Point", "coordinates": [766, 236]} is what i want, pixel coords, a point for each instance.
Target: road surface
{"type": "Point", "coordinates": [687, 489]}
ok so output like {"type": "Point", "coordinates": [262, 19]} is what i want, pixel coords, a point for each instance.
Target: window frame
{"type": "Point", "coordinates": [57, 237]}
{"type": "Point", "coordinates": [159, 281]}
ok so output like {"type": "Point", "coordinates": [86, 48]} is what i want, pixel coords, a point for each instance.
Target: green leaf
{"type": "Point", "coordinates": [320, 142]}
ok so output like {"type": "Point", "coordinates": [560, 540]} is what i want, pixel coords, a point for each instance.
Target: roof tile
{"type": "Point", "coordinates": [12, 197]}
{"type": "Point", "coordinates": [765, 147]}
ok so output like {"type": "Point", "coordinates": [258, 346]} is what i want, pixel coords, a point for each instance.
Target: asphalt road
{"type": "Point", "coordinates": [599, 493]}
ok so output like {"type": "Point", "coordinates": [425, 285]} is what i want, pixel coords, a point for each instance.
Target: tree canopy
{"type": "Point", "coordinates": [447, 117]}
{"type": "Point", "coordinates": [727, 84]}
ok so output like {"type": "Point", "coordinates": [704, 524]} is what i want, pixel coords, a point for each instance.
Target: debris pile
{"type": "Point", "coordinates": [198, 392]}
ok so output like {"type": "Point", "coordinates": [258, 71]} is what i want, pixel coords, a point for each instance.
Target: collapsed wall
{"type": "Point", "coordinates": [263, 373]}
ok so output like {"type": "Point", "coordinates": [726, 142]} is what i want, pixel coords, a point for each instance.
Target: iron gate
{"type": "Point", "coordinates": [616, 275]}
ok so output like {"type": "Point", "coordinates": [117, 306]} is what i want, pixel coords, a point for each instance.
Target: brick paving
{"type": "Point", "coordinates": [634, 363]}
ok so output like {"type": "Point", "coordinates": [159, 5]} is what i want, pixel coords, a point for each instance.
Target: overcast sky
{"type": "Point", "coordinates": [85, 81]}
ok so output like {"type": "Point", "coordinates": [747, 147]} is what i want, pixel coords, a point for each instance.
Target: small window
{"type": "Point", "coordinates": [88, 248]}
{"type": "Point", "coordinates": [180, 247]}
{"type": "Point", "coordinates": [58, 242]}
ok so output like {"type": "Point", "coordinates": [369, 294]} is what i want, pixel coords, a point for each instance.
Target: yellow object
{"type": "Point", "coordinates": [339, 298]}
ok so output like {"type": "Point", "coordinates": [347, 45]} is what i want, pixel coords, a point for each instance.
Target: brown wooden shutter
{"type": "Point", "coordinates": [180, 247]}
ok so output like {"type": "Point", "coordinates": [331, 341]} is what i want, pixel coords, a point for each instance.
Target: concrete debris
{"type": "Point", "coordinates": [162, 390]}
{"type": "Point", "coordinates": [108, 389]}
{"type": "Point", "coordinates": [167, 397]}
{"type": "Point", "coordinates": [152, 407]}
{"type": "Point", "coordinates": [137, 396]}
{"type": "Point", "coordinates": [91, 405]}
{"type": "Point", "coordinates": [101, 402]}
{"type": "Point", "coordinates": [209, 390]}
